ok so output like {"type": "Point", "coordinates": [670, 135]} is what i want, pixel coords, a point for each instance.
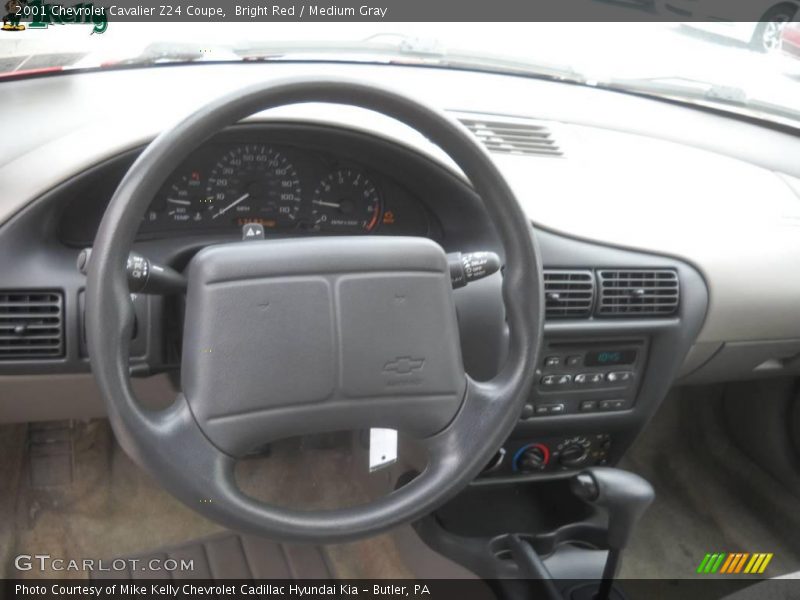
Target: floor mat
{"type": "Point", "coordinates": [12, 450]}
{"type": "Point", "coordinates": [113, 508]}
{"type": "Point", "coordinates": [235, 556]}
{"type": "Point", "coordinates": [226, 556]}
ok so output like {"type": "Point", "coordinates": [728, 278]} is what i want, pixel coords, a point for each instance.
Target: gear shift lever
{"type": "Point", "coordinates": [626, 496]}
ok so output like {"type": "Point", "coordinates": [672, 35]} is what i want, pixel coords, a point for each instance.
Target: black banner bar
{"type": "Point", "coordinates": [432, 589]}
{"type": "Point", "coordinates": [40, 13]}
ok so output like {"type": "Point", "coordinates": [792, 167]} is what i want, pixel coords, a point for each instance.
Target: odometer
{"type": "Point", "coordinates": [346, 201]}
{"type": "Point", "coordinates": [254, 183]}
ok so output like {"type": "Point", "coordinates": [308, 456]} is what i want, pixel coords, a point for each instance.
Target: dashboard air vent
{"type": "Point", "coordinates": [638, 293]}
{"type": "Point", "coordinates": [568, 294]}
{"type": "Point", "coordinates": [31, 325]}
{"type": "Point", "coordinates": [514, 137]}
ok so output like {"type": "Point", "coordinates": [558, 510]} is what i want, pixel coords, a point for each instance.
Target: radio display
{"type": "Point", "coordinates": [601, 358]}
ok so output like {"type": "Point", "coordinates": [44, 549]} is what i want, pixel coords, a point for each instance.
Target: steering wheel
{"type": "Point", "coordinates": [296, 336]}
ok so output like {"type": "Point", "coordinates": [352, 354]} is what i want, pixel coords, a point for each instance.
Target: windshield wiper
{"type": "Point", "coordinates": [171, 52]}
{"type": "Point", "coordinates": [701, 92]}
{"type": "Point", "coordinates": [680, 86]}
{"type": "Point", "coordinates": [408, 44]}
{"type": "Point", "coordinates": [391, 48]}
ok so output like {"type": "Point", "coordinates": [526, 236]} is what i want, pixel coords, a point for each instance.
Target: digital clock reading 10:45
{"type": "Point", "coordinates": [599, 358]}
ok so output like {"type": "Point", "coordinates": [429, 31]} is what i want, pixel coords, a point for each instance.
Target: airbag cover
{"type": "Point", "coordinates": [285, 337]}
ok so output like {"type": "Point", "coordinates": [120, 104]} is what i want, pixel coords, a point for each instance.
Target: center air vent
{"type": "Point", "coordinates": [568, 294]}
{"type": "Point", "coordinates": [513, 136]}
{"type": "Point", "coordinates": [638, 293]}
{"type": "Point", "coordinates": [31, 325]}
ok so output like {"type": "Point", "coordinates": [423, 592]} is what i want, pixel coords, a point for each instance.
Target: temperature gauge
{"type": "Point", "coordinates": [184, 201]}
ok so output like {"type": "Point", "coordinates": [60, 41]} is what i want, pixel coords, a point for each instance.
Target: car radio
{"type": "Point", "coordinates": [586, 377]}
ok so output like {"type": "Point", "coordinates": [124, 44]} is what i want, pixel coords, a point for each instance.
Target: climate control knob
{"type": "Point", "coordinates": [573, 455]}
{"type": "Point", "coordinates": [533, 457]}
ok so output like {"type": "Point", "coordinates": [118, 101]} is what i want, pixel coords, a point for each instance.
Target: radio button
{"type": "Point", "coordinates": [552, 361]}
{"type": "Point", "coordinates": [619, 376]}
{"type": "Point", "coordinates": [564, 379]}
{"type": "Point", "coordinates": [612, 404]}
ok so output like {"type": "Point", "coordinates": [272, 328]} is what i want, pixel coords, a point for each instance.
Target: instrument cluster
{"type": "Point", "coordinates": [286, 189]}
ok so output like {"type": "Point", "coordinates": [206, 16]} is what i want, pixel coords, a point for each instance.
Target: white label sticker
{"type": "Point", "coordinates": [382, 448]}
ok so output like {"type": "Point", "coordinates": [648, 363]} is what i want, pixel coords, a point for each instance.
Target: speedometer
{"type": "Point", "coordinates": [346, 201]}
{"type": "Point", "coordinates": [254, 183]}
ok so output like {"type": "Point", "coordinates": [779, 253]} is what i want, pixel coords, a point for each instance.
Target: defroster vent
{"type": "Point", "coordinates": [31, 325]}
{"type": "Point", "coordinates": [638, 293]}
{"type": "Point", "coordinates": [514, 136]}
{"type": "Point", "coordinates": [568, 294]}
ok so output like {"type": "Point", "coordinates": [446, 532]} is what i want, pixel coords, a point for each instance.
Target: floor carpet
{"type": "Point", "coordinates": [710, 498]}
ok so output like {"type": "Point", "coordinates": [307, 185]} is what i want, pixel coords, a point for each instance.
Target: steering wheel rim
{"type": "Point", "coordinates": [173, 447]}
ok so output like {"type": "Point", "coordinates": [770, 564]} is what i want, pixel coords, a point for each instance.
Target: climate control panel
{"type": "Point", "coordinates": [550, 455]}
{"type": "Point", "coordinates": [586, 377]}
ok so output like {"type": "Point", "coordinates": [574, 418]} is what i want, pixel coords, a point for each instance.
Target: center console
{"type": "Point", "coordinates": [556, 540]}
{"type": "Point", "coordinates": [618, 325]}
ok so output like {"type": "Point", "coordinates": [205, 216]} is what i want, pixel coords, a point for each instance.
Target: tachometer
{"type": "Point", "coordinates": [346, 201]}
{"type": "Point", "coordinates": [254, 183]}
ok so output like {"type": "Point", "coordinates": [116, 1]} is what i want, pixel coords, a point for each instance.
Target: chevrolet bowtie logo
{"type": "Point", "coordinates": [403, 365]}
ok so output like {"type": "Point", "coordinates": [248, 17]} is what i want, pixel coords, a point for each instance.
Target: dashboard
{"type": "Point", "coordinates": [601, 362]}
{"type": "Point", "coordinates": [620, 192]}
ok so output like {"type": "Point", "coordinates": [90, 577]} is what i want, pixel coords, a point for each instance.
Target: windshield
{"type": "Point", "coordinates": [744, 67]}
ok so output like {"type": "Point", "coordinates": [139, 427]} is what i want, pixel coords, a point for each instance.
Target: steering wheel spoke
{"type": "Point", "coordinates": [483, 401]}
